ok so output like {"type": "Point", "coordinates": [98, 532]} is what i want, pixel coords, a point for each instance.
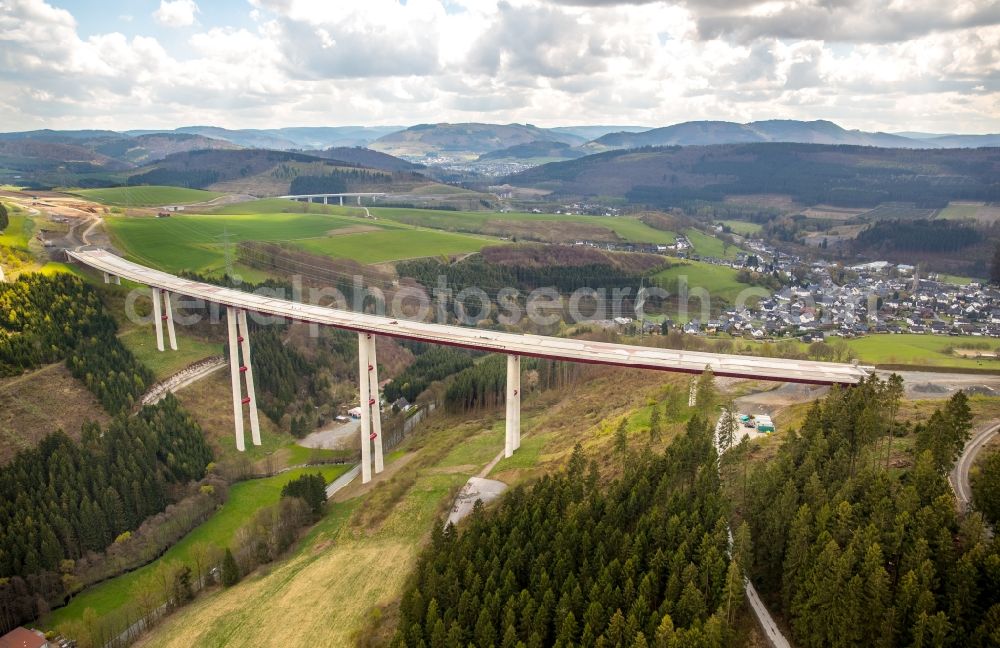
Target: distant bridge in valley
{"type": "Point", "coordinates": [325, 197]}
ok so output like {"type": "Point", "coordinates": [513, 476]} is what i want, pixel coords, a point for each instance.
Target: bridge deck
{"type": "Point", "coordinates": [539, 346]}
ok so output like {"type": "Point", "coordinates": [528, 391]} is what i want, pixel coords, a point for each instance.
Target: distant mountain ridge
{"type": "Point", "coordinates": [707, 133]}
{"type": "Point", "coordinates": [283, 139]}
{"type": "Point", "coordinates": [810, 174]}
{"type": "Point", "coordinates": [466, 140]}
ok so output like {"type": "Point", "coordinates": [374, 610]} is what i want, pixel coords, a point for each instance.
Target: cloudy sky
{"type": "Point", "coordinates": [896, 65]}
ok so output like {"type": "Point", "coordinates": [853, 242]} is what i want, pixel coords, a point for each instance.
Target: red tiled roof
{"type": "Point", "coordinates": [22, 638]}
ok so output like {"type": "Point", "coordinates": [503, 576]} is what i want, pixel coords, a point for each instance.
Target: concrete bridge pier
{"type": "Point", "coordinates": [359, 201]}
{"type": "Point", "coordinates": [236, 320]}
{"type": "Point", "coordinates": [163, 312]}
{"type": "Point", "coordinates": [376, 432]}
{"type": "Point", "coordinates": [325, 199]}
{"type": "Point", "coordinates": [512, 438]}
{"type": "Point", "coordinates": [371, 418]}
{"type": "Point", "coordinates": [158, 317]}
{"type": "Point", "coordinates": [341, 201]}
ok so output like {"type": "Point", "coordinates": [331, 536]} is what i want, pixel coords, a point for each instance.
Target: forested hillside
{"type": "Point", "coordinates": [64, 500]}
{"type": "Point", "coordinates": [61, 318]}
{"type": "Point", "coordinates": [851, 176]}
{"type": "Point", "coordinates": [573, 560]}
{"type": "Point", "coordinates": [853, 551]}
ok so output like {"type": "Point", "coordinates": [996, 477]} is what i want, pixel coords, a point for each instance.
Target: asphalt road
{"type": "Point", "coordinates": [959, 477]}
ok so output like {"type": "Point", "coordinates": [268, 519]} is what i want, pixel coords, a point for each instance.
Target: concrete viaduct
{"type": "Point", "coordinates": [327, 196]}
{"type": "Point", "coordinates": [367, 326]}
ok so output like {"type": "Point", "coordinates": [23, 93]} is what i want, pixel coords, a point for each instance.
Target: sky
{"type": "Point", "coordinates": [889, 65]}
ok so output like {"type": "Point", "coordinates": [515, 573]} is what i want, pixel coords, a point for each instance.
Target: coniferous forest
{"type": "Point", "coordinates": [65, 499]}
{"type": "Point", "coordinates": [855, 552]}
{"type": "Point", "coordinates": [60, 317]}
{"type": "Point", "coordinates": [571, 560]}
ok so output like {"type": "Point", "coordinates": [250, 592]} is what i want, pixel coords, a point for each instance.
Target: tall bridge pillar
{"type": "Point", "coordinates": [512, 439]}
{"type": "Point", "coordinates": [371, 417]}
{"type": "Point", "coordinates": [163, 312]}
{"type": "Point", "coordinates": [158, 317]}
{"type": "Point", "coordinates": [239, 339]}
{"type": "Point", "coordinates": [341, 201]}
{"type": "Point", "coordinates": [325, 199]}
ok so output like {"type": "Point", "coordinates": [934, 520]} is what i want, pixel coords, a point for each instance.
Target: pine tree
{"type": "Point", "coordinates": [986, 488]}
{"type": "Point", "coordinates": [655, 425]}
{"type": "Point", "coordinates": [230, 571]}
{"type": "Point", "coordinates": [705, 394]}
{"type": "Point", "coordinates": [621, 440]}
{"type": "Point", "coordinates": [728, 426]}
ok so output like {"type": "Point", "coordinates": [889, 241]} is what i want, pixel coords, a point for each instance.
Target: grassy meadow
{"type": "Point", "coordinates": [743, 228]}
{"type": "Point", "coordinates": [195, 242]}
{"type": "Point", "coordinates": [917, 349]}
{"type": "Point", "coordinates": [708, 246]}
{"type": "Point", "coordinates": [339, 586]}
{"type": "Point", "coordinates": [141, 341]}
{"type": "Point", "coordinates": [624, 228]}
{"type": "Point", "coordinates": [719, 281]}
{"type": "Point", "coordinates": [147, 195]}
{"type": "Point", "coordinates": [245, 498]}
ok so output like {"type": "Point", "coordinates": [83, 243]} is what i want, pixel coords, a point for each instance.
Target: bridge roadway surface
{"type": "Point", "coordinates": [538, 346]}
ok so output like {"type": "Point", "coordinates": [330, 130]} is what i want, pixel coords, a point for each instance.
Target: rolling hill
{"type": "Point", "coordinates": [303, 137]}
{"type": "Point", "coordinates": [850, 176]}
{"type": "Point", "coordinates": [534, 150]}
{"type": "Point", "coordinates": [465, 141]}
{"type": "Point", "coordinates": [367, 157]}
{"type": "Point", "coordinates": [88, 158]}
{"type": "Point", "coordinates": [704, 133]}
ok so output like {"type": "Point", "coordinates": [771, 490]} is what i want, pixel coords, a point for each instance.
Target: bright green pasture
{"type": "Point", "coordinates": [917, 349]}
{"type": "Point", "coordinates": [719, 281]}
{"type": "Point", "coordinates": [18, 231]}
{"type": "Point", "coordinates": [147, 195]}
{"type": "Point", "coordinates": [141, 341]}
{"type": "Point", "coordinates": [196, 242]}
{"type": "Point", "coordinates": [955, 279]}
{"type": "Point", "coordinates": [959, 211]}
{"type": "Point", "coordinates": [283, 206]}
{"type": "Point", "coordinates": [744, 228]}
{"type": "Point", "coordinates": [708, 246]}
{"type": "Point", "coordinates": [394, 245]}
{"type": "Point", "coordinates": [245, 499]}
{"type": "Point", "coordinates": [626, 227]}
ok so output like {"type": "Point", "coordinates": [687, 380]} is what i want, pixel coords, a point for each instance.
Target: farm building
{"type": "Point", "coordinates": [23, 638]}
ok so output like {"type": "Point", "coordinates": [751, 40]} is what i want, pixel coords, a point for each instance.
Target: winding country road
{"type": "Point", "coordinates": [959, 476]}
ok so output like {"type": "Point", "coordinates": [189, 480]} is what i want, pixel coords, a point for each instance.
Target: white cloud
{"type": "Point", "coordinates": [381, 61]}
{"type": "Point", "coordinates": [176, 13]}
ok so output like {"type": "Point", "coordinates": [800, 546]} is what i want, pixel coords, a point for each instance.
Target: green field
{"type": "Point", "coordinates": [707, 245]}
{"type": "Point", "coordinates": [959, 211]}
{"type": "Point", "coordinates": [141, 342]}
{"type": "Point", "coordinates": [394, 245]}
{"type": "Point", "coordinates": [955, 279]}
{"type": "Point", "coordinates": [195, 242]}
{"type": "Point", "coordinates": [280, 206]}
{"type": "Point", "coordinates": [719, 281]}
{"type": "Point", "coordinates": [743, 228]}
{"type": "Point", "coordinates": [18, 231]}
{"type": "Point", "coordinates": [245, 498]}
{"type": "Point", "coordinates": [147, 195]}
{"type": "Point", "coordinates": [916, 349]}
{"type": "Point", "coordinates": [626, 228]}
